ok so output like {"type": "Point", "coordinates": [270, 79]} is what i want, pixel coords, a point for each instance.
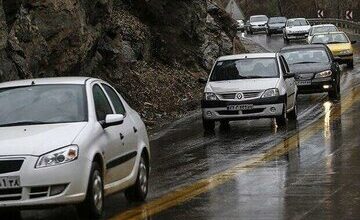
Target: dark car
{"type": "Point", "coordinates": [275, 25]}
{"type": "Point", "coordinates": [315, 69]}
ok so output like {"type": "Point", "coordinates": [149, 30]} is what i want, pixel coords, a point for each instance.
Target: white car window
{"type": "Point", "coordinates": [119, 107]}
{"type": "Point", "coordinates": [324, 29]}
{"type": "Point", "coordinates": [258, 18]}
{"type": "Point", "coordinates": [330, 38]}
{"type": "Point", "coordinates": [245, 69]}
{"type": "Point", "coordinates": [102, 105]}
{"type": "Point", "coordinates": [43, 104]}
{"type": "Point", "coordinates": [296, 23]}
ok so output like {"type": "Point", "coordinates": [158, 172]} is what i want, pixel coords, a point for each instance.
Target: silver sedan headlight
{"type": "Point", "coordinates": [323, 74]}
{"type": "Point", "coordinates": [210, 96]}
{"type": "Point", "coordinates": [271, 93]}
{"type": "Point", "coordinates": [57, 157]}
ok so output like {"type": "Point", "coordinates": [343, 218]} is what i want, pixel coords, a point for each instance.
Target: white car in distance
{"type": "Point", "coordinates": [320, 29]}
{"type": "Point", "coordinates": [249, 86]}
{"type": "Point", "coordinates": [296, 28]}
{"type": "Point", "coordinates": [258, 23]}
{"type": "Point", "coordinates": [69, 141]}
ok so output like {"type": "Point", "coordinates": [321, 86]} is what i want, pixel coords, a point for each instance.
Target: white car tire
{"type": "Point", "coordinates": [138, 192]}
{"type": "Point", "coordinates": [286, 39]}
{"type": "Point", "coordinates": [93, 205]}
{"type": "Point", "coordinates": [294, 113]}
{"type": "Point", "coordinates": [282, 119]}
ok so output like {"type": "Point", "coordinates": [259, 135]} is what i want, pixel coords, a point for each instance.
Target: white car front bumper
{"type": "Point", "coordinates": [299, 35]}
{"type": "Point", "coordinates": [259, 111]}
{"type": "Point", "coordinates": [37, 185]}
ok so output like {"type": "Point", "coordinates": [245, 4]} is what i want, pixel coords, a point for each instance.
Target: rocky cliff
{"type": "Point", "coordinates": [152, 51]}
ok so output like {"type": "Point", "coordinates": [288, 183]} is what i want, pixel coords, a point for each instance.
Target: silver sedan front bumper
{"type": "Point", "coordinates": [57, 185]}
{"type": "Point", "coordinates": [258, 111]}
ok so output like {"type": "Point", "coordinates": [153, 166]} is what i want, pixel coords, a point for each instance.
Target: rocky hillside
{"type": "Point", "coordinates": [151, 51]}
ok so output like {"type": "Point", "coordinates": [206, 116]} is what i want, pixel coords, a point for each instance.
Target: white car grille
{"type": "Point", "coordinates": [10, 194]}
{"type": "Point", "coordinates": [245, 95]}
{"type": "Point", "coordinates": [17, 193]}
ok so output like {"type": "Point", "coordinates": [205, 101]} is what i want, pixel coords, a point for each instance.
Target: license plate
{"type": "Point", "coordinates": [303, 83]}
{"type": "Point", "coordinates": [9, 182]}
{"type": "Point", "coordinates": [240, 107]}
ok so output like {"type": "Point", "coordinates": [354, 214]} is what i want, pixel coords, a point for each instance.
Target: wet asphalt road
{"type": "Point", "coordinates": [253, 170]}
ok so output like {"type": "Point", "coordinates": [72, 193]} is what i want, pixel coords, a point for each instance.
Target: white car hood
{"type": "Point", "coordinates": [258, 23]}
{"type": "Point", "coordinates": [242, 85]}
{"type": "Point", "coordinates": [37, 139]}
{"type": "Point", "coordinates": [299, 28]}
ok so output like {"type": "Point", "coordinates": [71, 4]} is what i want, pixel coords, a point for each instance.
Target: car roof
{"type": "Point", "coordinates": [46, 81]}
{"type": "Point", "coordinates": [333, 32]}
{"type": "Point", "coordinates": [248, 56]}
{"type": "Point", "coordinates": [294, 19]}
{"type": "Point", "coordinates": [305, 46]}
{"type": "Point", "coordinates": [253, 16]}
{"type": "Point", "coordinates": [324, 25]}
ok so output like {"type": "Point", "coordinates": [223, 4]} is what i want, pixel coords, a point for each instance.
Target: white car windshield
{"type": "Point", "coordinates": [296, 23]}
{"type": "Point", "coordinates": [330, 38]}
{"type": "Point", "coordinates": [245, 69]}
{"type": "Point", "coordinates": [259, 19]}
{"type": "Point", "coordinates": [306, 56]}
{"type": "Point", "coordinates": [324, 29]}
{"type": "Point", "coordinates": [42, 104]}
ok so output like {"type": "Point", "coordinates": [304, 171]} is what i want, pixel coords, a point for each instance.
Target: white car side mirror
{"type": "Point", "coordinates": [113, 119]}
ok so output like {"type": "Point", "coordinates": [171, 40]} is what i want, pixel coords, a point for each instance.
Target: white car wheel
{"type": "Point", "coordinates": [138, 192]}
{"type": "Point", "coordinates": [93, 206]}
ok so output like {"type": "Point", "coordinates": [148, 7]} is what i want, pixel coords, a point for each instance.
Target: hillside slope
{"type": "Point", "coordinates": [151, 51]}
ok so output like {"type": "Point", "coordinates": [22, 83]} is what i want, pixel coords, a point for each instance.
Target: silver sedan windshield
{"type": "Point", "coordinates": [42, 104]}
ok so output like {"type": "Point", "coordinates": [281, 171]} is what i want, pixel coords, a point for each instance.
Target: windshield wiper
{"type": "Point", "coordinates": [336, 42]}
{"type": "Point", "coordinates": [305, 62]}
{"type": "Point", "coordinates": [20, 123]}
{"type": "Point", "coordinates": [252, 77]}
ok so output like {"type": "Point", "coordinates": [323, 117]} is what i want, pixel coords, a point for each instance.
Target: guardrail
{"type": "Point", "coordinates": [344, 24]}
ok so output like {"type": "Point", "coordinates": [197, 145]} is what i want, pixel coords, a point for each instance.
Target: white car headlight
{"type": "Point", "coordinates": [323, 74]}
{"type": "Point", "coordinates": [346, 52]}
{"type": "Point", "coordinates": [57, 157]}
{"type": "Point", "coordinates": [210, 96]}
{"type": "Point", "coordinates": [271, 93]}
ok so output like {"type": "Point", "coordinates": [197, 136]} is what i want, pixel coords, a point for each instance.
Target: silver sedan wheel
{"type": "Point", "coordinates": [98, 191]}
{"type": "Point", "coordinates": [143, 176]}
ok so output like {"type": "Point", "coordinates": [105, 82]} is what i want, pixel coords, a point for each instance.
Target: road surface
{"type": "Point", "coordinates": [253, 170]}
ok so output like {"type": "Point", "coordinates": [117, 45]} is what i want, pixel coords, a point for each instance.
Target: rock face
{"type": "Point", "coordinates": [151, 51]}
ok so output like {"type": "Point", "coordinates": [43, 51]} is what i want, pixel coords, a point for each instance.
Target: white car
{"type": "Point", "coordinates": [320, 29]}
{"type": "Point", "coordinates": [69, 141]}
{"type": "Point", "coordinates": [240, 25]}
{"type": "Point", "coordinates": [296, 28]}
{"type": "Point", "coordinates": [258, 23]}
{"type": "Point", "coordinates": [249, 86]}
